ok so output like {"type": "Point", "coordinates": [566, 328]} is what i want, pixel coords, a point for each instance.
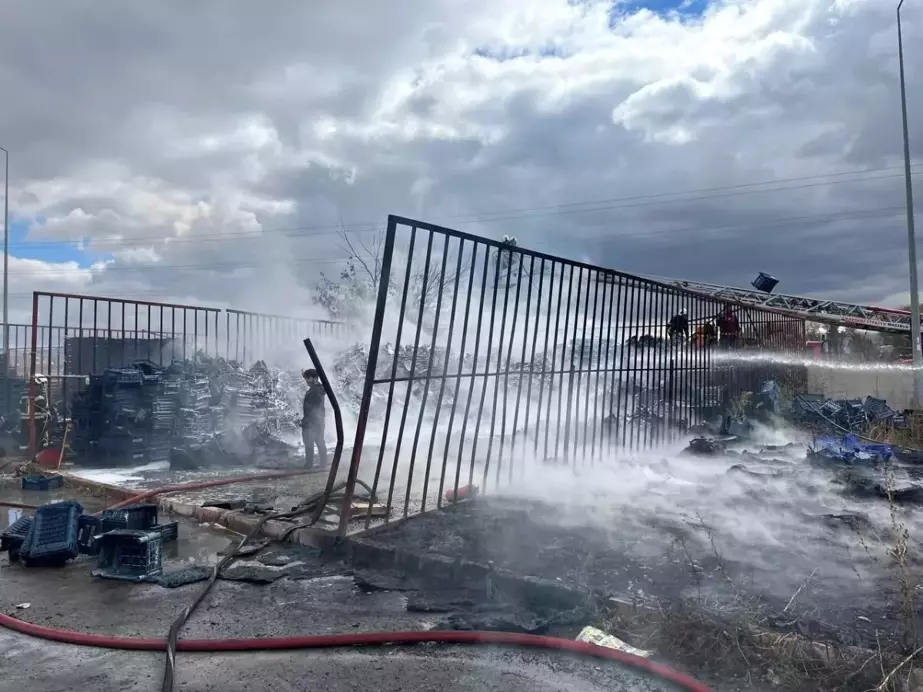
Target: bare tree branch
{"type": "Point", "coordinates": [358, 256]}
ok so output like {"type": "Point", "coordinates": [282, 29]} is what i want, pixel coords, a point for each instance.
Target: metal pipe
{"type": "Point", "coordinates": [911, 233]}
{"type": "Point", "coordinates": [6, 257]}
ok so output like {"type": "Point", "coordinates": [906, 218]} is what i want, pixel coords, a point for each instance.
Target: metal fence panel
{"type": "Point", "coordinates": [252, 336]}
{"type": "Point", "coordinates": [487, 359]}
{"type": "Point", "coordinates": [74, 336]}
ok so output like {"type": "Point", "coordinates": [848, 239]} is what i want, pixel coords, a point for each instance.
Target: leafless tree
{"type": "Point", "coordinates": [366, 255]}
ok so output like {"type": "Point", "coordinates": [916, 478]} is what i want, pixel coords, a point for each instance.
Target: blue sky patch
{"type": "Point", "coordinates": [66, 251]}
{"type": "Point", "coordinates": [618, 11]}
{"type": "Point", "coordinates": [683, 9]}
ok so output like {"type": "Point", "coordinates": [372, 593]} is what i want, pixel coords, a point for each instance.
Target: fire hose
{"type": "Point", "coordinates": [314, 507]}
{"type": "Point", "coordinates": [508, 639]}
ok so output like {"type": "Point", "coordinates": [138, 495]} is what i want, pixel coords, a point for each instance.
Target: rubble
{"type": "Point", "coordinates": [855, 415]}
{"type": "Point", "coordinates": [191, 413]}
{"type": "Point", "coordinates": [349, 371]}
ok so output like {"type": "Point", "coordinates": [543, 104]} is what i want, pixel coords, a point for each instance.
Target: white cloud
{"type": "Point", "coordinates": [174, 161]}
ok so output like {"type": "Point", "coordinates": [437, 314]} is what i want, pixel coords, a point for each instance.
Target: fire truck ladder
{"type": "Point", "coordinates": [810, 309]}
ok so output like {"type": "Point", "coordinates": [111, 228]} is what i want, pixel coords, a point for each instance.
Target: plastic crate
{"type": "Point", "coordinates": [14, 535]}
{"type": "Point", "coordinates": [52, 538]}
{"type": "Point", "coordinates": [108, 524]}
{"type": "Point", "coordinates": [764, 282]}
{"type": "Point", "coordinates": [42, 482]}
{"type": "Point", "coordinates": [137, 517]}
{"type": "Point", "coordinates": [130, 555]}
{"type": "Point", "coordinates": [89, 526]}
{"type": "Point", "coordinates": [169, 531]}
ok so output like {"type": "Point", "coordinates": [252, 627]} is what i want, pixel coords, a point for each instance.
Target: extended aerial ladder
{"type": "Point", "coordinates": [811, 309]}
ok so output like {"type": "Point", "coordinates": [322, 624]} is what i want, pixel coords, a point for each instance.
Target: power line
{"type": "Point", "coordinates": [513, 214]}
{"type": "Point", "coordinates": [206, 265]}
{"type": "Point", "coordinates": [879, 212]}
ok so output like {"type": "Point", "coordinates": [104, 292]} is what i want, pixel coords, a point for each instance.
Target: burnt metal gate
{"type": "Point", "coordinates": [487, 359]}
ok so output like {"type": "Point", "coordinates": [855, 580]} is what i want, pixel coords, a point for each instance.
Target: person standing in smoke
{"type": "Point", "coordinates": [312, 422]}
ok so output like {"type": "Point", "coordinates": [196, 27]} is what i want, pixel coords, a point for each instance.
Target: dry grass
{"type": "Point", "coordinates": [911, 436]}
{"type": "Point", "coordinates": [739, 641]}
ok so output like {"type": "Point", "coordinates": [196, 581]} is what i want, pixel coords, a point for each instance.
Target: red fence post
{"type": "Point", "coordinates": [33, 442]}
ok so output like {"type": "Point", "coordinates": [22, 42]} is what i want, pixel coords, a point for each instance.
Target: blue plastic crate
{"type": "Point", "coordinates": [130, 555]}
{"type": "Point", "coordinates": [42, 482]}
{"type": "Point", "coordinates": [14, 535]}
{"type": "Point", "coordinates": [137, 517]}
{"type": "Point", "coordinates": [52, 538]}
{"type": "Point", "coordinates": [89, 526]}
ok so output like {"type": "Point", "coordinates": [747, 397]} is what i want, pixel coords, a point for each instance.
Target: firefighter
{"type": "Point", "coordinates": [729, 326]}
{"type": "Point", "coordinates": [678, 328]}
{"type": "Point", "coordinates": [312, 422]}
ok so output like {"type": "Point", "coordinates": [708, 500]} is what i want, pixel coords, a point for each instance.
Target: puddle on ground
{"type": "Point", "coordinates": [11, 491]}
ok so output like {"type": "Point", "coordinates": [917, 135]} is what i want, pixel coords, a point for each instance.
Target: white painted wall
{"type": "Point", "coordinates": [896, 386]}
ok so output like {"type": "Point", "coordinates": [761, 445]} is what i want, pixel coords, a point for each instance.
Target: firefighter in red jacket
{"type": "Point", "coordinates": [729, 327]}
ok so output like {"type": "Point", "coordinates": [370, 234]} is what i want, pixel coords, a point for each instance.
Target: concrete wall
{"type": "Point", "coordinates": [896, 386]}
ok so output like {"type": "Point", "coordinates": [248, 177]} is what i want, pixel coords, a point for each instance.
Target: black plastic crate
{"type": "Point", "coordinates": [169, 531]}
{"type": "Point", "coordinates": [52, 538]}
{"type": "Point", "coordinates": [42, 482]}
{"type": "Point", "coordinates": [14, 535]}
{"type": "Point", "coordinates": [108, 524]}
{"type": "Point", "coordinates": [130, 555]}
{"type": "Point", "coordinates": [89, 526]}
{"type": "Point", "coordinates": [137, 517]}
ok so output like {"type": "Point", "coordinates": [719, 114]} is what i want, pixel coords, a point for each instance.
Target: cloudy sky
{"type": "Point", "coordinates": [207, 152]}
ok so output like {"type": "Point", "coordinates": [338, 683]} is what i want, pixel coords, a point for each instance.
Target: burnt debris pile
{"type": "Point", "coordinates": [193, 413]}
{"type": "Point", "coordinates": [854, 415]}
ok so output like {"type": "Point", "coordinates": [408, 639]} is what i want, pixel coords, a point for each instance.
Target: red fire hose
{"type": "Point", "coordinates": [103, 641]}
{"type": "Point", "coordinates": [636, 663]}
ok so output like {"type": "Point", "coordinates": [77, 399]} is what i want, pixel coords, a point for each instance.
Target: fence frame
{"type": "Point", "coordinates": [212, 318]}
{"type": "Point", "coordinates": [525, 255]}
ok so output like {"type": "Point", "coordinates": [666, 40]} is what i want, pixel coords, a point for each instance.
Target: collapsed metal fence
{"type": "Point", "coordinates": [486, 359]}
{"type": "Point", "coordinates": [74, 336]}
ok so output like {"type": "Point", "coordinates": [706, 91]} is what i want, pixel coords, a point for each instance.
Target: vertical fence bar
{"type": "Point", "coordinates": [522, 361]}
{"type": "Point", "coordinates": [445, 371]}
{"type": "Point", "coordinates": [373, 355]}
{"type": "Point", "coordinates": [474, 367]}
{"type": "Point", "coordinates": [365, 404]}
{"type": "Point", "coordinates": [506, 375]}
{"type": "Point", "coordinates": [429, 371]}
{"type": "Point", "coordinates": [490, 341]}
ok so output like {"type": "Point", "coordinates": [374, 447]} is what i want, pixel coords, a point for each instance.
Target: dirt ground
{"type": "Point", "coordinates": [533, 539]}
{"type": "Point", "coordinates": [314, 597]}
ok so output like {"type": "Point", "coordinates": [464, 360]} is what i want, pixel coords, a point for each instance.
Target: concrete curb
{"type": "Point", "coordinates": [229, 519]}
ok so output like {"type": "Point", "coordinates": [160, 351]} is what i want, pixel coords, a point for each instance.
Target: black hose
{"type": "Point", "coordinates": [314, 505]}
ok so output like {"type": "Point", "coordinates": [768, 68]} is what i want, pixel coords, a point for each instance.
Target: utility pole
{"type": "Point", "coordinates": [911, 233]}
{"type": "Point", "coordinates": [6, 263]}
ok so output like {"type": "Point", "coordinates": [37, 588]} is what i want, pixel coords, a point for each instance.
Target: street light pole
{"type": "Point", "coordinates": [911, 233]}
{"type": "Point", "coordinates": [6, 263]}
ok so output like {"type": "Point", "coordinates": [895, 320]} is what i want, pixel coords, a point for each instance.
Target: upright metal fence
{"type": "Point", "coordinates": [487, 359]}
{"type": "Point", "coordinates": [251, 336]}
{"type": "Point", "coordinates": [15, 369]}
{"type": "Point", "coordinates": [74, 336]}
